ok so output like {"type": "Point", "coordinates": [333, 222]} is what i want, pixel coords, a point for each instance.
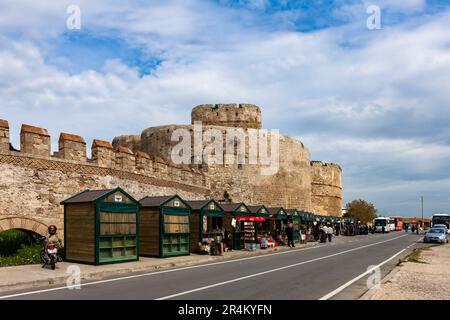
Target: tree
{"type": "Point", "coordinates": [361, 210]}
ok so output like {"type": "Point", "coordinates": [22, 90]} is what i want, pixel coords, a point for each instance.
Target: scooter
{"type": "Point", "coordinates": [49, 254]}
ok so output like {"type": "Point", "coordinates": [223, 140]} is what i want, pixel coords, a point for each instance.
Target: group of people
{"type": "Point", "coordinates": [354, 230]}
{"type": "Point", "coordinates": [323, 233]}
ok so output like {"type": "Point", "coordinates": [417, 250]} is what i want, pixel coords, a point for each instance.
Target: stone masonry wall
{"type": "Point", "coordinates": [228, 115]}
{"type": "Point", "coordinates": [32, 183]}
{"type": "Point", "coordinates": [4, 136]}
{"type": "Point", "coordinates": [133, 142]}
{"type": "Point", "coordinates": [326, 188]}
{"type": "Point", "coordinates": [290, 187]}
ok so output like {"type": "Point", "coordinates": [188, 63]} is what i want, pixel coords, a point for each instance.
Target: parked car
{"type": "Point", "coordinates": [436, 235]}
{"type": "Point", "coordinates": [441, 226]}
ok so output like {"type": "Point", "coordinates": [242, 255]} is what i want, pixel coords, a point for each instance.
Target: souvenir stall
{"type": "Point", "coordinates": [207, 229]}
{"type": "Point", "coordinates": [263, 226]}
{"type": "Point", "coordinates": [164, 226]}
{"type": "Point", "coordinates": [278, 218]}
{"type": "Point", "coordinates": [307, 219]}
{"type": "Point", "coordinates": [101, 226]}
{"type": "Point", "coordinates": [239, 226]}
{"type": "Point", "coordinates": [294, 217]}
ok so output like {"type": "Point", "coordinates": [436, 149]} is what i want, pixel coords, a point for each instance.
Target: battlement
{"type": "Point", "coordinates": [35, 142]}
{"type": "Point", "coordinates": [315, 163]}
{"type": "Point", "coordinates": [4, 136]}
{"type": "Point", "coordinates": [228, 115]}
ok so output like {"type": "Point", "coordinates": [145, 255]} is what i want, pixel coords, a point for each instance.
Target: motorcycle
{"type": "Point", "coordinates": [49, 254]}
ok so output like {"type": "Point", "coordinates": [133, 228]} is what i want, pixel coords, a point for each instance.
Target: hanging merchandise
{"type": "Point", "coordinates": [249, 235]}
{"type": "Point", "coordinates": [205, 223]}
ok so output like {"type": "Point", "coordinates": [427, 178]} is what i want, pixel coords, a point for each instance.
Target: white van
{"type": "Point", "coordinates": [382, 223]}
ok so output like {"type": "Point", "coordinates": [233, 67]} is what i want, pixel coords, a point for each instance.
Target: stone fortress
{"type": "Point", "coordinates": [33, 181]}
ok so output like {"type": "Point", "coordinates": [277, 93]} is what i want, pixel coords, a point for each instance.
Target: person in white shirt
{"type": "Point", "coordinates": [330, 233]}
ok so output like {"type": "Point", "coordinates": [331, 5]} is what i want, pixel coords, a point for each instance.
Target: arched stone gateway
{"type": "Point", "coordinates": [23, 224]}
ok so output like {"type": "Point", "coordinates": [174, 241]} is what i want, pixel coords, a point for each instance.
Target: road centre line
{"type": "Point", "coordinates": [272, 270]}
{"type": "Point", "coordinates": [190, 267]}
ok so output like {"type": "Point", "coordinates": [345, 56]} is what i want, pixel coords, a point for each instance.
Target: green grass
{"type": "Point", "coordinates": [25, 255]}
{"type": "Point", "coordinates": [11, 241]}
{"type": "Point", "coordinates": [415, 256]}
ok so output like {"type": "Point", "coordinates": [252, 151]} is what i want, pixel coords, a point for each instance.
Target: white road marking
{"type": "Point", "coordinates": [159, 272]}
{"type": "Point", "coordinates": [188, 268]}
{"type": "Point", "coordinates": [345, 285]}
{"type": "Point", "coordinates": [273, 270]}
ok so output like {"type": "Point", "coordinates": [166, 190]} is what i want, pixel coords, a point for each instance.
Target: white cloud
{"type": "Point", "coordinates": [387, 88]}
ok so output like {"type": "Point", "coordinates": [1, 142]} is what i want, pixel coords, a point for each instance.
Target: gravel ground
{"type": "Point", "coordinates": [418, 281]}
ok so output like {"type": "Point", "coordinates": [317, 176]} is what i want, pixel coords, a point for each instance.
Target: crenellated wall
{"type": "Point", "coordinates": [326, 188]}
{"type": "Point", "coordinates": [33, 182]}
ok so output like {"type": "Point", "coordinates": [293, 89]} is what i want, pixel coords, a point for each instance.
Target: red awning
{"type": "Point", "coordinates": [250, 218]}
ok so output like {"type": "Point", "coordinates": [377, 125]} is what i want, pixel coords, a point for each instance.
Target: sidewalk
{"type": "Point", "coordinates": [428, 279]}
{"type": "Point", "coordinates": [29, 276]}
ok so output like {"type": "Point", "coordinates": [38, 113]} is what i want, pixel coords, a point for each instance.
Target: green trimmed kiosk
{"type": "Point", "coordinates": [278, 217]}
{"type": "Point", "coordinates": [206, 223]}
{"type": "Point", "coordinates": [164, 226]}
{"type": "Point", "coordinates": [101, 226]}
{"type": "Point", "coordinates": [294, 216]}
{"type": "Point", "coordinates": [261, 227]}
{"type": "Point", "coordinates": [242, 231]}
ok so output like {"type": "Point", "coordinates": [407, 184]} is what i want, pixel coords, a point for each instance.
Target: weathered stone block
{"type": "Point", "coordinates": [144, 163]}
{"type": "Point", "coordinates": [125, 159]}
{"type": "Point", "coordinates": [4, 136]}
{"type": "Point", "coordinates": [103, 153]}
{"type": "Point", "coordinates": [35, 141]}
{"type": "Point", "coordinates": [72, 147]}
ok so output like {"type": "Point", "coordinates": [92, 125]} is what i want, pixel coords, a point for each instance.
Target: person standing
{"type": "Point", "coordinates": [290, 234]}
{"type": "Point", "coordinates": [330, 233]}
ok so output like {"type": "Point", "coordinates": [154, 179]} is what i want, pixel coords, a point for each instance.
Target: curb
{"type": "Point", "coordinates": [371, 292]}
{"type": "Point", "coordinates": [99, 275]}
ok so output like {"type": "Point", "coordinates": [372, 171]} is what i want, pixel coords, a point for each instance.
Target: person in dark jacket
{"type": "Point", "coordinates": [290, 234]}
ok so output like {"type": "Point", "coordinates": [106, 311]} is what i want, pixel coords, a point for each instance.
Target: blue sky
{"type": "Point", "coordinates": [375, 101]}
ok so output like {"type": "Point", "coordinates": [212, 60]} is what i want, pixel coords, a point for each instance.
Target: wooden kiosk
{"type": "Point", "coordinates": [101, 226]}
{"type": "Point", "coordinates": [294, 216]}
{"type": "Point", "coordinates": [242, 232]}
{"type": "Point", "coordinates": [206, 223]}
{"type": "Point", "coordinates": [262, 227]}
{"type": "Point", "coordinates": [278, 217]}
{"type": "Point", "coordinates": [164, 226]}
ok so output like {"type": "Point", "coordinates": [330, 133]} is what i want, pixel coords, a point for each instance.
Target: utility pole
{"type": "Point", "coordinates": [423, 223]}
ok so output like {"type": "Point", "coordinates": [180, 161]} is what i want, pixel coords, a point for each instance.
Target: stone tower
{"type": "Point", "coordinates": [228, 115]}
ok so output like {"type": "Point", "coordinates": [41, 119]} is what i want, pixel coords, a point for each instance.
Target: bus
{"type": "Point", "coordinates": [382, 223]}
{"type": "Point", "coordinates": [440, 218]}
{"type": "Point", "coordinates": [397, 223]}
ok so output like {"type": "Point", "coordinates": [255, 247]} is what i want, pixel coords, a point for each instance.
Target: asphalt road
{"type": "Point", "coordinates": [336, 270]}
